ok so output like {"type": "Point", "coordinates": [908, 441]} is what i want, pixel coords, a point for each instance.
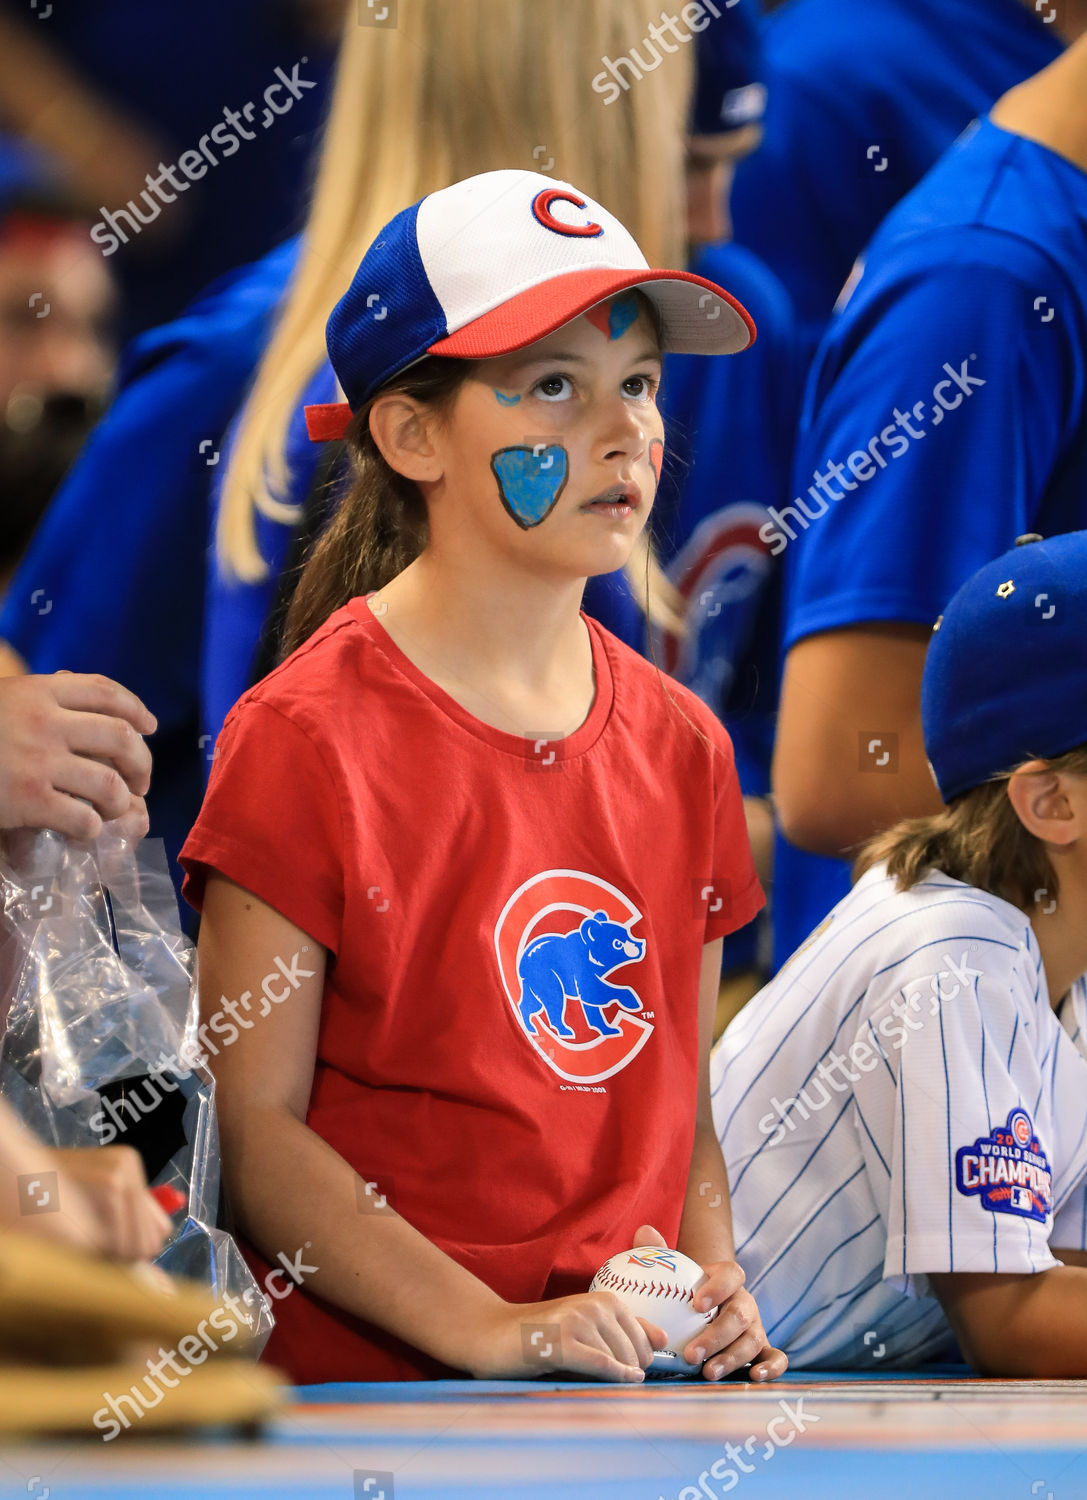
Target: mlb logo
{"type": "Point", "coordinates": [1022, 1199]}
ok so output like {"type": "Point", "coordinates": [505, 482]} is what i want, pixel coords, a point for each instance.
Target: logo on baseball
{"type": "Point", "coordinates": [659, 1286]}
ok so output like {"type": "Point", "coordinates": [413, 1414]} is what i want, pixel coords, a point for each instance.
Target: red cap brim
{"type": "Point", "coordinates": [699, 316]}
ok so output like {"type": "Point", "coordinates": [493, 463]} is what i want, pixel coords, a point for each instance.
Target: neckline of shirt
{"type": "Point", "coordinates": [582, 738]}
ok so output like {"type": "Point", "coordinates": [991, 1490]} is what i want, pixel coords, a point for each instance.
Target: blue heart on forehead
{"type": "Point", "coordinates": [624, 311]}
{"type": "Point", "coordinates": [530, 481]}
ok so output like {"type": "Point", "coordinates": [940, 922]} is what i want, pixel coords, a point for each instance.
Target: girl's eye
{"type": "Point", "coordinates": [640, 387]}
{"type": "Point", "coordinates": [553, 387]}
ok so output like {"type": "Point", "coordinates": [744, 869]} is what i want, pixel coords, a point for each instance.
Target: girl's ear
{"type": "Point", "coordinates": [401, 428]}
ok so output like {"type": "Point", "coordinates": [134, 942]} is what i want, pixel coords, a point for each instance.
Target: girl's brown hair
{"type": "Point", "coordinates": [976, 838]}
{"type": "Point", "coordinates": [379, 525]}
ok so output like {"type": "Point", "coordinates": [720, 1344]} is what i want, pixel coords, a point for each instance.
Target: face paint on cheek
{"type": "Point", "coordinates": [506, 400]}
{"type": "Point", "coordinates": [530, 481]}
{"type": "Point", "coordinates": [614, 318]}
{"type": "Point", "coordinates": [656, 457]}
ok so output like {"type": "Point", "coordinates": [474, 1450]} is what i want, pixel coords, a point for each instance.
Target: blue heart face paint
{"type": "Point", "coordinates": [530, 481]}
{"type": "Point", "coordinates": [506, 400]}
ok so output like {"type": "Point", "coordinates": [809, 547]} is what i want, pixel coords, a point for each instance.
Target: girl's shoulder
{"type": "Point", "coordinates": [321, 681]}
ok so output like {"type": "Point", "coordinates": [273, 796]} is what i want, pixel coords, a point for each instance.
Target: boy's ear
{"type": "Point", "coordinates": [401, 428]}
{"type": "Point", "coordinates": [1042, 804]}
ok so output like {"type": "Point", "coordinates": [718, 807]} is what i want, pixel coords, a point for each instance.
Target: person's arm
{"type": "Point", "coordinates": [849, 755]}
{"type": "Point", "coordinates": [289, 1188]}
{"type": "Point", "coordinates": [736, 1336]}
{"type": "Point", "coordinates": [1021, 1327]}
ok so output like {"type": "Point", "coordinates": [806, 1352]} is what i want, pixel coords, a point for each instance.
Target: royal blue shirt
{"type": "Point", "coordinates": [862, 101]}
{"type": "Point", "coordinates": [730, 425]}
{"type": "Point", "coordinates": [970, 319]}
{"type": "Point", "coordinates": [113, 581]}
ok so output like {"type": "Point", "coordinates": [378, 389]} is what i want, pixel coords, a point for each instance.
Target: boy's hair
{"type": "Point", "coordinates": [976, 838]}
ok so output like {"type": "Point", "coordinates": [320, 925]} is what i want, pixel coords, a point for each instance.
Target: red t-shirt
{"type": "Point", "coordinates": [508, 1041]}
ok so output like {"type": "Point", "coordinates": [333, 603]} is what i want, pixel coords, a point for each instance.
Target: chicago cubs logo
{"type": "Point", "coordinates": [541, 207]}
{"type": "Point", "coordinates": [1008, 1170]}
{"type": "Point", "coordinates": [720, 572]}
{"type": "Point", "coordinates": [564, 942]}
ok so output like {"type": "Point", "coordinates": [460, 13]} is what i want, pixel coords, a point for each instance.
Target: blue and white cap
{"type": "Point", "coordinates": [1005, 677]}
{"type": "Point", "coordinates": [493, 264]}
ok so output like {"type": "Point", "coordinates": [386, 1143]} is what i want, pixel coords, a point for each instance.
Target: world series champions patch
{"type": "Point", "coordinates": [1008, 1170]}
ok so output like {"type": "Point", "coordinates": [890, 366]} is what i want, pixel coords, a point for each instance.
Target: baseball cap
{"type": "Point", "coordinates": [492, 264]}
{"type": "Point", "coordinates": [1005, 677]}
{"type": "Point", "coordinates": [729, 91]}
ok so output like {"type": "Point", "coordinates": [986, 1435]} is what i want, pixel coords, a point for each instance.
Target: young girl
{"type": "Point", "coordinates": [903, 1110]}
{"type": "Point", "coordinates": [474, 857]}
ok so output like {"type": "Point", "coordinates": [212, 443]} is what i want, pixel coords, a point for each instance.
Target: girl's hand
{"type": "Point", "coordinates": [591, 1333]}
{"type": "Point", "coordinates": [736, 1333]}
{"type": "Point", "coordinates": [736, 1336]}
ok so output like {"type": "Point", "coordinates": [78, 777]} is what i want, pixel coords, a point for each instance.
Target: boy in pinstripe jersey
{"type": "Point", "coordinates": [903, 1110]}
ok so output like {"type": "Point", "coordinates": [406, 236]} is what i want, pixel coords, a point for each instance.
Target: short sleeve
{"type": "Point", "coordinates": [732, 893]}
{"type": "Point", "coordinates": [962, 1140]}
{"type": "Point", "coordinates": [271, 821]}
{"type": "Point", "coordinates": [939, 407]}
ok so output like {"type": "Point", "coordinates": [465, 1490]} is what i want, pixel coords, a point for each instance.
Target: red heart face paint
{"type": "Point", "coordinates": [656, 457]}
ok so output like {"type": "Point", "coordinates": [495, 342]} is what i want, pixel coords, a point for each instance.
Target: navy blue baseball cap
{"type": "Point", "coordinates": [1005, 677]}
{"type": "Point", "coordinates": [729, 91]}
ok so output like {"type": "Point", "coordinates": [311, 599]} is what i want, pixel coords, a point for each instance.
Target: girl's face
{"type": "Point", "coordinates": [555, 451]}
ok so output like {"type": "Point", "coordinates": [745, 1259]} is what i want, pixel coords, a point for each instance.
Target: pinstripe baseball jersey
{"type": "Point", "coordinates": [901, 1099]}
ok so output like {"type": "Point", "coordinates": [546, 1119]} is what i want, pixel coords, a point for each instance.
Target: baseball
{"type": "Point", "coordinates": [659, 1285]}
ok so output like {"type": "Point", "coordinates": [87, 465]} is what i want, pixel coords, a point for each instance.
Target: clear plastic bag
{"type": "Point", "coordinates": [99, 1042]}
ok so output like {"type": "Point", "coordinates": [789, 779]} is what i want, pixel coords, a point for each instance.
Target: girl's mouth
{"type": "Point", "coordinates": [615, 503]}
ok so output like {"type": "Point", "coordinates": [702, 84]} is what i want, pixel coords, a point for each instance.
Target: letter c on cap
{"type": "Point", "coordinates": [541, 207]}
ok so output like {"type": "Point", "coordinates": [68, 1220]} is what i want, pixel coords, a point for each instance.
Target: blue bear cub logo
{"type": "Point", "coordinates": [575, 965]}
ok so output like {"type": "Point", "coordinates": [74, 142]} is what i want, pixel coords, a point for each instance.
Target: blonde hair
{"type": "Point", "coordinates": [457, 89]}
{"type": "Point", "coordinates": [976, 838]}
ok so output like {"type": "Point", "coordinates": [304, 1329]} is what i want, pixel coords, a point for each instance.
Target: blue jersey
{"type": "Point", "coordinates": [943, 416]}
{"type": "Point", "coordinates": [730, 426]}
{"type": "Point", "coordinates": [236, 611]}
{"type": "Point", "coordinates": [113, 581]}
{"type": "Point", "coordinates": [863, 99]}
{"type": "Point", "coordinates": [901, 1100]}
